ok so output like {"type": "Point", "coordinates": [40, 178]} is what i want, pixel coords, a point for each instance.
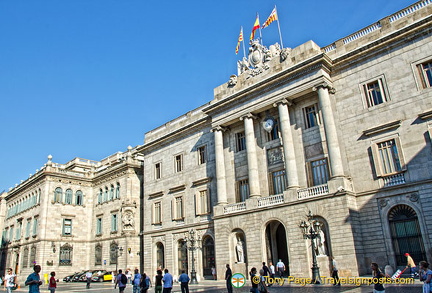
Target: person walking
{"type": "Point", "coordinates": [262, 283]}
{"type": "Point", "coordinates": [184, 282]}
{"type": "Point", "coordinates": [9, 280]}
{"type": "Point", "coordinates": [167, 282]}
{"type": "Point", "coordinates": [213, 271]}
{"type": "Point", "coordinates": [52, 285]}
{"type": "Point", "coordinates": [376, 275]}
{"type": "Point", "coordinates": [228, 275]}
{"type": "Point", "coordinates": [253, 278]}
{"type": "Point", "coordinates": [88, 279]}
{"type": "Point", "coordinates": [425, 276]}
{"type": "Point", "coordinates": [266, 271]}
{"type": "Point", "coordinates": [280, 268]}
{"type": "Point", "coordinates": [158, 281]}
{"type": "Point", "coordinates": [272, 270]}
{"type": "Point", "coordinates": [121, 281]}
{"type": "Point", "coordinates": [411, 265]}
{"type": "Point", "coordinates": [136, 282]}
{"type": "Point", "coordinates": [145, 283]}
{"type": "Point", "coordinates": [33, 280]}
{"type": "Point", "coordinates": [335, 271]}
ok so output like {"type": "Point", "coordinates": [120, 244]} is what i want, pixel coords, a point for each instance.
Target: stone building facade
{"type": "Point", "coordinates": [80, 215]}
{"type": "Point", "coordinates": [340, 133]}
{"type": "Point", "coordinates": [338, 137]}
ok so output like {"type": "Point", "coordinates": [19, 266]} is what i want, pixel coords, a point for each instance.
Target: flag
{"type": "Point", "coordinates": [255, 27]}
{"type": "Point", "coordinates": [240, 39]}
{"type": "Point", "coordinates": [273, 16]}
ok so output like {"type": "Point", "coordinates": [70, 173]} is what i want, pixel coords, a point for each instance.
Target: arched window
{"type": "Point", "coordinates": [113, 253]}
{"type": "Point", "coordinates": [117, 192]}
{"type": "Point", "coordinates": [406, 235]}
{"type": "Point", "coordinates": [100, 196]}
{"type": "Point", "coordinates": [68, 196]}
{"type": "Point", "coordinates": [182, 256]}
{"type": "Point", "coordinates": [208, 255]}
{"type": "Point", "coordinates": [160, 255]}
{"type": "Point", "coordinates": [98, 254]}
{"type": "Point", "coordinates": [32, 255]}
{"type": "Point", "coordinates": [58, 193]}
{"type": "Point", "coordinates": [25, 258]}
{"type": "Point", "coordinates": [105, 197]}
{"type": "Point", "coordinates": [79, 198]}
{"type": "Point", "coordinates": [111, 194]}
{"type": "Point", "coordinates": [66, 255]}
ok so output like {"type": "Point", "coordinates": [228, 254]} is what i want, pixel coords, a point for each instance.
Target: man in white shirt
{"type": "Point", "coordinates": [89, 275]}
{"type": "Point", "coordinates": [281, 268]}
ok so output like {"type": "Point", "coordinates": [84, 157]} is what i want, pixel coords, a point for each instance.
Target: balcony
{"type": "Point", "coordinates": [235, 207]}
{"type": "Point", "coordinates": [393, 180]}
{"type": "Point", "coordinates": [312, 191]}
{"type": "Point", "coordinates": [270, 200]}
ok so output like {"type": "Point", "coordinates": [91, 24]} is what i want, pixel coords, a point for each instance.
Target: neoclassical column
{"type": "Point", "coordinates": [254, 185]}
{"type": "Point", "coordinates": [220, 166]}
{"type": "Point", "coordinates": [330, 129]}
{"type": "Point", "coordinates": [288, 144]}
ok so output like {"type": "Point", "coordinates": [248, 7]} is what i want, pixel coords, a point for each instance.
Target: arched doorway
{"type": "Point", "coordinates": [208, 255]}
{"type": "Point", "coordinates": [276, 244]}
{"type": "Point", "coordinates": [160, 256]}
{"type": "Point", "coordinates": [182, 256]}
{"type": "Point", "coordinates": [406, 235]}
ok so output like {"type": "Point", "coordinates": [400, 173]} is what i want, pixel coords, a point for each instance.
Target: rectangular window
{"type": "Point", "coordinates": [98, 226]}
{"type": "Point", "coordinates": [240, 141]}
{"type": "Point", "coordinates": [178, 208]}
{"type": "Point", "coordinates": [11, 233]}
{"type": "Point", "coordinates": [388, 157]}
{"type": "Point", "coordinates": [18, 231]}
{"type": "Point", "coordinates": [279, 181]}
{"type": "Point", "coordinates": [425, 70]}
{"type": "Point", "coordinates": [35, 226]}
{"type": "Point", "coordinates": [374, 93]}
{"type": "Point", "coordinates": [27, 233]}
{"type": "Point", "coordinates": [67, 227]}
{"type": "Point", "coordinates": [202, 203]}
{"type": "Point", "coordinates": [178, 163]}
{"type": "Point", "coordinates": [311, 116]}
{"type": "Point", "coordinates": [320, 171]}
{"type": "Point", "coordinates": [157, 213]}
{"type": "Point", "coordinates": [158, 171]}
{"type": "Point", "coordinates": [242, 190]}
{"type": "Point", "coordinates": [202, 155]}
{"type": "Point", "coordinates": [114, 223]}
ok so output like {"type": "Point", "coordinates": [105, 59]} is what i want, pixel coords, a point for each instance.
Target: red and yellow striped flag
{"type": "Point", "coordinates": [255, 27]}
{"type": "Point", "coordinates": [273, 16]}
{"type": "Point", "coordinates": [240, 39]}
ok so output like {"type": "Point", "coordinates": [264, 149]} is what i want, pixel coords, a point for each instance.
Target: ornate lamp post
{"type": "Point", "coordinates": [191, 239]}
{"type": "Point", "coordinates": [311, 230]}
{"type": "Point", "coordinates": [117, 249]}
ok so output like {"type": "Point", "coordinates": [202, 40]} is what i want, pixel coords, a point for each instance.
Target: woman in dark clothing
{"type": "Point", "coordinates": [377, 276]}
{"type": "Point", "coordinates": [158, 283]}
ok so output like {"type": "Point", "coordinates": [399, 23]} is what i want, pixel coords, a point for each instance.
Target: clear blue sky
{"type": "Point", "coordinates": [87, 78]}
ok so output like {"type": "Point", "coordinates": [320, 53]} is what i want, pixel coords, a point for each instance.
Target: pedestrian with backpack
{"type": "Point", "coordinates": [136, 282]}
{"type": "Point", "coordinates": [121, 281]}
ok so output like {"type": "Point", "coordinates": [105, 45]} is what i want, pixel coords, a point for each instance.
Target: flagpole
{"type": "Point", "coordinates": [244, 50]}
{"type": "Point", "coordinates": [280, 35]}
{"type": "Point", "coordinates": [260, 30]}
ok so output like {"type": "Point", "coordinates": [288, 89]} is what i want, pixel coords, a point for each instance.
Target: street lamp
{"type": "Point", "coordinates": [191, 239]}
{"type": "Point", "coordinates": [117, 249]}
{"type": "Point", "coordinates": [310, 230]}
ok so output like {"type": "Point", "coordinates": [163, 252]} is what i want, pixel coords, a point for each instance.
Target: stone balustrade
{"type": "Point", "coordinates": [270, 200]}
{"type": "Point", "coordinates": [394, 180]}
{"type": "Point", "coordinates": [312, 191]}
{"type": "Point", "coordinates": [235, 207]}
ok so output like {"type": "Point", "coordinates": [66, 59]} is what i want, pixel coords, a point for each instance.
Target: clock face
{"type": "Point", "coordinates": [268, 124]}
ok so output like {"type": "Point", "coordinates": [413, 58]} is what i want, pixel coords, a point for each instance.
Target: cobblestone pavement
{"type": "Point", "coordinates": [219, 287]}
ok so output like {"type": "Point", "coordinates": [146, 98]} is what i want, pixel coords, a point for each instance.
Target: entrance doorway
{"type": "Point", "coordinates": [276, 244]}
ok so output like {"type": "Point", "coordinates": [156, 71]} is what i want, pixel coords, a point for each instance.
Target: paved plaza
{"type": "Point", "coordinates": [219, 286]}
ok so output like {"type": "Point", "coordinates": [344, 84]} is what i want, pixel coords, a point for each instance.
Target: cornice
{"type": "Point", "coordinates": [382, 127]}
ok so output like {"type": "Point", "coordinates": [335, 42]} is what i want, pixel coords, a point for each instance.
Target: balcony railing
{"type": "Point", "coordinates": [394, 180]}
{"type": "Point", "coordinates": [235, 207]}
{"type": "Point", "coordinates": [312, 191]}
{"type": "Point", "coordinates": [270, 200]}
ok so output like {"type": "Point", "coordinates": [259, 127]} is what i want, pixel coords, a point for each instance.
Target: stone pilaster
{"type": "Point", "coordinates": [220, 166]}
{"type": "Point", "coordinates": [254, 185]}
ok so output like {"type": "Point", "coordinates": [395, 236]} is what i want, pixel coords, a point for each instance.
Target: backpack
{"type": "Point", "coordinates": [123, 279]}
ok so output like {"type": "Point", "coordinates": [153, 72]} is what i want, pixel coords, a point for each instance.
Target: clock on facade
{"type": "Point", "coordinates": [268, 124]}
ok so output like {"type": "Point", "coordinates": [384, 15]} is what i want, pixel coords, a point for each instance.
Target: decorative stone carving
{"type": "Point", "coordinates": [128, 220]}
{"type": "Point", "coordinates": [383, 202]}
{"type": "Point", "coordinates": [233, 80]}
{"type": "Point", "coordinates": [414, 197]}
{"type": "Point", "coordinates": [284, 53]}
{"type": "Point", "coordinates": [275, 156]}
